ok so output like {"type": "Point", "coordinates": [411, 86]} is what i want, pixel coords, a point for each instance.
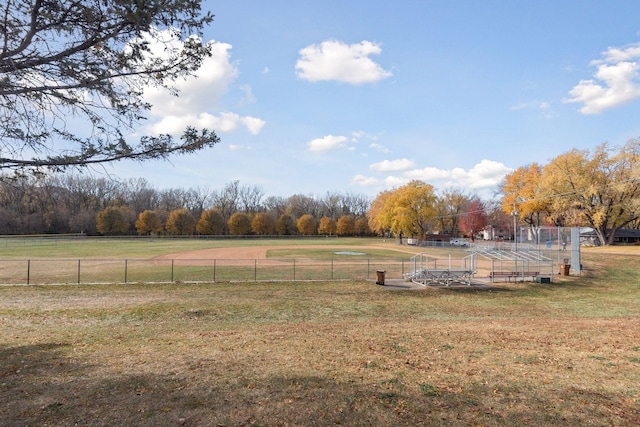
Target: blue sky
{"type": "Point", "coordinates": [351, 96]}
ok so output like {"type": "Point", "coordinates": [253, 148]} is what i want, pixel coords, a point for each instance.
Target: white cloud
{"type": "Point", "coordinates": [248, 97]}
{"type": "Point", "coordinates": [327, 143]}
{"type": "Point", "coordinates": [199, 97]}
{"type": "Point", "coordinates": [393, 165]}
{"type": "Point", "coordinates": [485, 175]}
{"type": "Point", "coordinates": [333, 142]}
{"type": "Point", "coordinates": [253, 124]}
{"type": "Point", "coordinates": [224, 123]}
{"type": "Point", "coordinates": [379, 148]}
{"type": "Point", "coordinates": [520, 106]}
{"type": "Point", "coordinates": [395, 181]}
{"type": "Point", "coordinates": [334, 60]}
{"type": "Point", "coordinates": [429, 174]}
{"type": "Point", "coordinates": [543, 107]}
{"type": "Point", "coordinates": [615, 83]}
{"type": "Point", "coordinates": [614, 55]}
{"type": "Point", "coordinates": [365, 181]}
{"type": "Point", "coordinates": [199, 93]}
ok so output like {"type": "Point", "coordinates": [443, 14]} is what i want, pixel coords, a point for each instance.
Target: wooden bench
{"type": "Point", "coordinates": [509, 274]}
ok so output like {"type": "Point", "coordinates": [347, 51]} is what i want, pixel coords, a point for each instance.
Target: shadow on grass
{"type": "Point", "coordinates": [45, 385]}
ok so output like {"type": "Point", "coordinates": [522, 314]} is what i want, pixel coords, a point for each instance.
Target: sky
{"type": "Point", "coordinates": [310, 97]}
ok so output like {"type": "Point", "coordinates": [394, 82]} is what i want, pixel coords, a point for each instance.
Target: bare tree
{"type": "Point", "coordinates": [251, 199]}
{"type": "Point", "coordinates": [226, 200]}
{"type": "Point", "coordinates": [276, 205]}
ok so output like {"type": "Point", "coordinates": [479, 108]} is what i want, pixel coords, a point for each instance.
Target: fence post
{"type": "Point", "coordinates": [214, 269]}
{"type": "Point", "coordinates": [255, 270]}
{"type": "Point", "coordinates": [126, 268]}
{"type": "Point", "coordinates": [171, 271]}
{"type": "Point", "coordinates": [294, 269]}
{"type": "Point", "coordinates": [28, 272]}
{"type": "Point", "coordinates": [78, 272]}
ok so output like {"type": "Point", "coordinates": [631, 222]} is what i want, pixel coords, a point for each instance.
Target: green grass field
{"type": "Point", "coordinates": [126, 260]}
{"type": "Point", "coordinates": [325, 353]}
{"type": "Point", "coordinates": [23, 248]}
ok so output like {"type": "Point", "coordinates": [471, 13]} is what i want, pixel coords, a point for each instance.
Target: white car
{"type": "Point", "coordinates": [456, 242]}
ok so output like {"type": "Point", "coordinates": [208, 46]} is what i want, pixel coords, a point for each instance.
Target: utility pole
{"type": "Point", "coordinates": [515, 214]}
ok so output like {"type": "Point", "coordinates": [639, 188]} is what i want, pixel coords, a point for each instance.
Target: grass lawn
{"type": "Point", "coordinates": [325, 353]}
{"type": "Point", "coordinates": [30, 248]}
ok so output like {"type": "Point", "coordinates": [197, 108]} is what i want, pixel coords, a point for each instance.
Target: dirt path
{"type": "Point", "coordinates": [257, 252]}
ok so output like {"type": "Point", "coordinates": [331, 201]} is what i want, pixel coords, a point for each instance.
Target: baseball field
{"type": "Point", "coordinates": [344, 352]}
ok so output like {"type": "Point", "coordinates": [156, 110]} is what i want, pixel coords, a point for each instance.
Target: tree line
{"type": "Point", "coordinates": [417, 210]}
{"type": "Point", "coordinates": [76, 203]}
{"type": "Point", "coordinates": [599, 189]}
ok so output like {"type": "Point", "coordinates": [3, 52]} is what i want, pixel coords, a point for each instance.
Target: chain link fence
{"type": "Point", "coordinates": [90, 271]}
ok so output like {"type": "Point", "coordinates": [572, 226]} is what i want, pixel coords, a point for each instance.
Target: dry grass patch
{"type": "Point", "coordinates": [323, 354]}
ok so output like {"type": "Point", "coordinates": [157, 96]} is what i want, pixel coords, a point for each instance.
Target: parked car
{"type": "Point", "coordinates": [456, 242]}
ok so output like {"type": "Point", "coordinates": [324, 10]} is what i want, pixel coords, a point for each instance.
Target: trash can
{"type": "Point", "coordinates": [564, 269]}
{"type": "Point", "coordinates": [380, 274]}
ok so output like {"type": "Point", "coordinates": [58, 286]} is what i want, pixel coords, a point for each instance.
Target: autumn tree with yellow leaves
{"type": "Point", "coordinates": [239, 224]}
{"type": "Point", "coordinates": [524, 196]}
{"type": "Point", "coordinates": [211, 222]}
{"type": "Point", "coordinates": [180, 222]}
{"type": "Point", "coordinates": [113, 220]}
{"type": "Point", "coordinates": [406, 211]}
{"type": "Point", "coordinates": [375, 219]}
{"type": "Point", "coordinates": [599, 189]}
{"type": "Point", "coordinates": [327, 226]}
{"type": "Point", "coordinates": [307, 225]}
{"type": "Point", "coordinates": [346, 225]}
{"type": "Point", "coordinates": [149, 222]}
{"type": "Point", "coordinates": [450, 207]}
{"type": "Point", "coordinates": [263, 224]}
{"type": "Point", "coordinates": [286, 225]}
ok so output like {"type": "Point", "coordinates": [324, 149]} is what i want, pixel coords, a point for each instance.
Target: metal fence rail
{"type": "Point", "coordinates": [85, 271]}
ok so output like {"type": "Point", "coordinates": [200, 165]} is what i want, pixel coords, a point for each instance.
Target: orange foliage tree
{"type": "Point", "coordinates": [346, 225]}
{"type": "Point", "coordinates": [263, 224]}
{"type": "Point", "coordinates": [148, 222]}
{"type": "Point", "coordinates": [307, 225]}
{"type": "Point", "coordinates": [327, 226]}
{"type": "Point", "coordinates": [113, 220]}
{"type": "Point", "coordinates": [180, 222]}
{"type": "Point", "coordinates": [239, 224]}
{"type": "Point", "coordinates": [211, 222]}
{"type": "Point", "coordinates": [285, 225]}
